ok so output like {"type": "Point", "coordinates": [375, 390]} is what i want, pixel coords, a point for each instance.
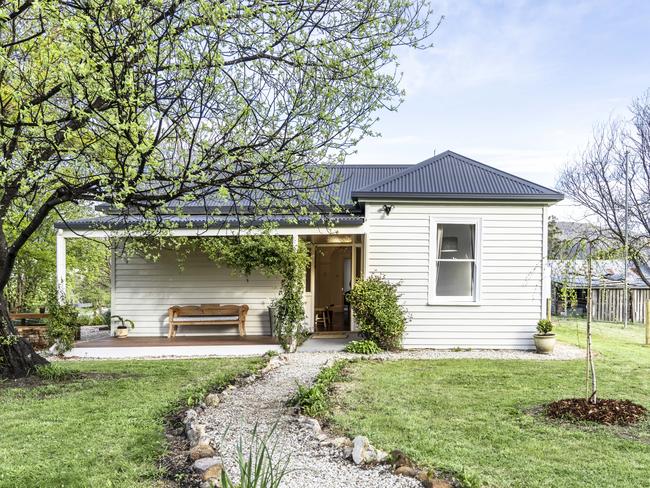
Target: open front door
{"type": "Point", "coordinates": [333, 279]}
{"type": "Point", "coordinates": [336, 268]}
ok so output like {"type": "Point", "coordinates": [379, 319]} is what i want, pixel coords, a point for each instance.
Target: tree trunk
{"type": "Point", "coordinates": [17, 356]}
{"type": "Point", "coordinates": [590, 354]}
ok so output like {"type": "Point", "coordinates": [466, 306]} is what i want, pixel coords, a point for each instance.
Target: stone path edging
{"type": "Point", "coordinates": [260, 402]}
{"type": "Point", "coordinates": [324, 461]}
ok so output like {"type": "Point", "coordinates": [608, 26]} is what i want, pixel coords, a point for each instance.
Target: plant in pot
{"type": "Point", "coordinates": [544, 339]}
{"type": "Point", "coordinates": [122, 330]}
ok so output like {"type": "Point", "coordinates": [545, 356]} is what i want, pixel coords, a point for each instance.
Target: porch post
{"type": "Point", "coordinates": [60, 266]}
{"type": "Point", "coordinates": [294, 240]}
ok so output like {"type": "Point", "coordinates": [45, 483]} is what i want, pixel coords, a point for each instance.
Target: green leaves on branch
{"type": "Point", "coordinates": [142, 105]}
{"type": "Point", "coordinates": [9, 340]}
{"type": "Point", "coordinates": [270, 254]}
{"type": "Point", "coordinates": [137, 104]}
{"type": "Point", "coordinates": [88, 270]}
{"type": "Point", "coordinates": [62, 323]}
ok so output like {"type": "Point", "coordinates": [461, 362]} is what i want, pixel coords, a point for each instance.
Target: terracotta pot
{"type": "Point", "coordinates": [544, 343]}
{"type": "Point", "coordinates": [121, 332]}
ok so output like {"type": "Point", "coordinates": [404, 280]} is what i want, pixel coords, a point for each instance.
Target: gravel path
{"type": "Point", "coordinates": [562, 352]}
{"type": "Point", "coordinates": [262, 403]}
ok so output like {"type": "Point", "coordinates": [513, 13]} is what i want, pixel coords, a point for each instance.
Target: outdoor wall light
{"type": "Point", "coordinates": [387, 208]}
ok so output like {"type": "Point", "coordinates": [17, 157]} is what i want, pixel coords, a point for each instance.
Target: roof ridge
{"type": "Point", "coordinates": [407, 171]}
{"type": "Point", "coordinates": [501, 172]}
{"type": "Point", "coordinates": [482, 166]}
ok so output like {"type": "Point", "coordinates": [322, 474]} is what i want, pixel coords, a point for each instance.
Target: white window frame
{"type": "Point", "coordinates": [433, 299]}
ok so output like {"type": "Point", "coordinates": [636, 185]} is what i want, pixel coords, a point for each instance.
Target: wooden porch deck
{"type": "Point", "coordinates": [176, 347]}
{"type": "Point", "coordinates": [180, 341]}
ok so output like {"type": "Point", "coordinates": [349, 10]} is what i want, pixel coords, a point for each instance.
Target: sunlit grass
{"type": "Point", "coordinates": [474, 416]}
{"type": "Point", "coordinates": [105, 429]}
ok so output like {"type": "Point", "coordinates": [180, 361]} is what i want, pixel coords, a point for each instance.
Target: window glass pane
{"type": "Point", "coordinates": [455, 279]}
{"type": "Point", "coordinates": [456, 241]}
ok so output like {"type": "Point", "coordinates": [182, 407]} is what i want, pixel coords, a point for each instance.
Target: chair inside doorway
{"type": "Point", "coordinates": [334, 269]}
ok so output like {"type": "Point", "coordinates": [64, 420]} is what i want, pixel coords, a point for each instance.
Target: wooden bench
{"type": "Point", "coordinates": [210, 314]}
{"type": "Point", "coordinates": [22, 318]}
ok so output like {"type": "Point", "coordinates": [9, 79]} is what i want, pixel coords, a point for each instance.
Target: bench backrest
{"type": "Point", "coordinates": [210, 310]}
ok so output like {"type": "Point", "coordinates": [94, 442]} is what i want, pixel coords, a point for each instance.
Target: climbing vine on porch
{"type": "Point", "coordinates": [271, 255]}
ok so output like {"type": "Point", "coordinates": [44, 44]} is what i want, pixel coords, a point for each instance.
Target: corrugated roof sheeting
{"type": "Point", "coordinates": [353, 177]}
{"type": "Point", "coordinates": [605, 272]}
{"type": "Point", "coordinates": [447, 176]}
{"type": "Point", "coordinates": [344, 179]}
{"type": "Point", "coordinates": [451, 174]}
{"type": "Point", "coordinates": [117, 222]}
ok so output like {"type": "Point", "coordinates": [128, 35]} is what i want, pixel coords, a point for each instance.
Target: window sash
{"type": "Point", "coordinates": [455, 279]}
{"type": "Point", "coordinates": [457, 260]}
{"type": "Point", "coordinates": [434, 260]}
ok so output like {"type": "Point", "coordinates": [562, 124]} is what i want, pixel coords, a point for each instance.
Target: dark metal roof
{"type": "Point", "coordinates": [450, 176]}
{"type": "Point", "coordinates": [447, 176]}
{"type": "Point", "coordinates": [343, 180]}
{"type": "Point", "coordinates": [355, 176]}
{"type": "Point", "coordinates": [199, 222]}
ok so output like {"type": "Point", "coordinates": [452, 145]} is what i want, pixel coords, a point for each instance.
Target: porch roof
{"type": "Point", "coordinates": [125, 222]}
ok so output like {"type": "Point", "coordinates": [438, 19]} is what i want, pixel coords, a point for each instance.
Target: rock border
{"type": "Point", "coordinates": [361, 452]}
{"type": "Point", "coordinates": [206, 465]}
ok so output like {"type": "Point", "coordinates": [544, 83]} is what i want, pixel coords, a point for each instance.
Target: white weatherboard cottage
{"type": "Point", "coordinates": [466, 242]}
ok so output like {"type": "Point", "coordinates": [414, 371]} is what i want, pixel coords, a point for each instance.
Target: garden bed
{"type": "Point", "coordinates": [606, 411]}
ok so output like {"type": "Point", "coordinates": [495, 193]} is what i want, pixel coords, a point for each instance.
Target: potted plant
{"type": "Point", "coordinates": [122, 330]}
{"type": "Point", "coordinates": [544, 339]}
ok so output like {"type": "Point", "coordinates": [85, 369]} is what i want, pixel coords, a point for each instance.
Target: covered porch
{"type": "Point", "coordinates": [144, 291]}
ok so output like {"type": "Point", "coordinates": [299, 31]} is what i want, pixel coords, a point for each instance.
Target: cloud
{"type": "Point", "coordinates": [483, 42]}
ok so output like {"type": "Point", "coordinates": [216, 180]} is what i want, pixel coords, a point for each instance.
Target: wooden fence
{"type": "Point", "coordinates": [609, 303]}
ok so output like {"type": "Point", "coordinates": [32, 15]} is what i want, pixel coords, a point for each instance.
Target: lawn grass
{"type": "Point", "coordinates": [105, 429]}
{"type": "Point", "coordinates": [474, 416]}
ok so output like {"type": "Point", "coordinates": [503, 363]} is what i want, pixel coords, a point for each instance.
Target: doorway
{"type": "Point", "coordinates": [336, 268]}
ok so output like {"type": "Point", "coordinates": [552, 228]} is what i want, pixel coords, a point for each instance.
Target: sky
{"type": "Point", "coordinates": [518, 84]}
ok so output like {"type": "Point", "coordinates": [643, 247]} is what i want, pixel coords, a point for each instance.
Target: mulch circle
{"type": "Point", "coordinates": [605, 411]}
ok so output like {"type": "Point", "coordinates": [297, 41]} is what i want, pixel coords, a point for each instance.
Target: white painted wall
{"type": "Point", "coordinates": [144, 290]}
{"type": "Point", "coordinates": [511, 270]}
{"type": "Point", "coordinates": [511, 275]}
